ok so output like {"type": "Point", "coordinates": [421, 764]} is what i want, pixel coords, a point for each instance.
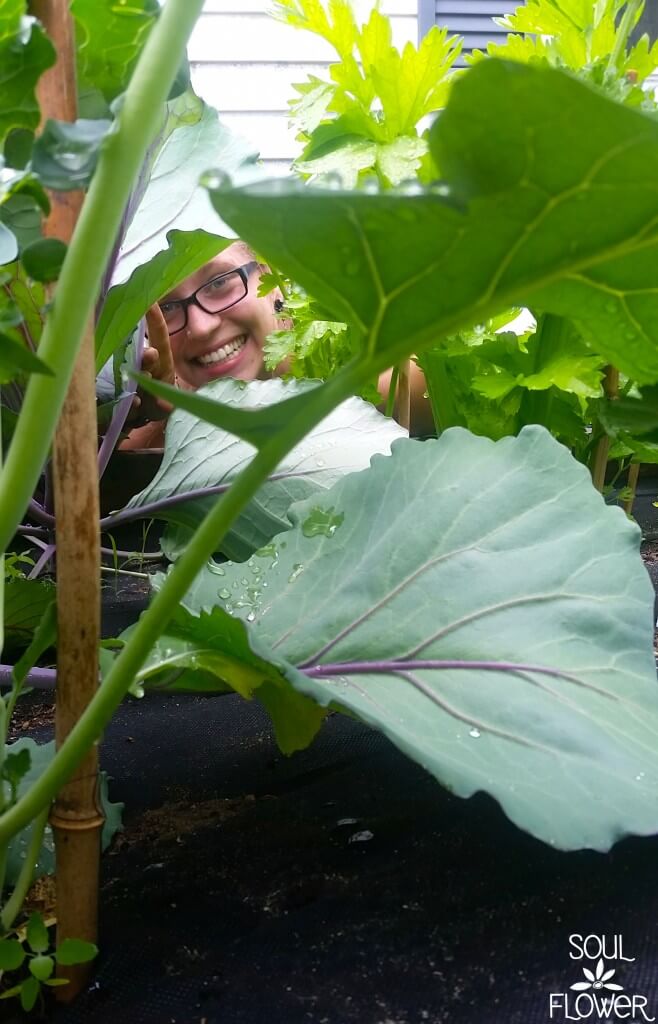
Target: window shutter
{"type": "Point", "coordinates": [471, 19]}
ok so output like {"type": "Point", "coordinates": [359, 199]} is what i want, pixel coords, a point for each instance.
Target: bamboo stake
{"type": "Point", "coordinates": [76, 817]}
{"type": "Point", "coordinates": [600, 460]}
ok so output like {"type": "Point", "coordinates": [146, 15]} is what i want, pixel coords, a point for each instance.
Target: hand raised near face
{"type": "Point", "coordinates": [157, 362]}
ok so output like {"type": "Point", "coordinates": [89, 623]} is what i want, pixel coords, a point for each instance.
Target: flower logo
{"type": "Point", "coordinates": [597, 980]}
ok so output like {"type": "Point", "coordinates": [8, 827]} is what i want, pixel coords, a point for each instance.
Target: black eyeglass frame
{"type": "Point", "coordinates": [191, 300]}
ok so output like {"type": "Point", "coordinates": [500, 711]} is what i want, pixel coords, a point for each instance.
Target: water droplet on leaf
{"type": "Point", "coordinates": [322, 522]}
{"type": "Point", "coordinates": [475, 733]}
{"type": "Point", "coordinates": [296, 571]}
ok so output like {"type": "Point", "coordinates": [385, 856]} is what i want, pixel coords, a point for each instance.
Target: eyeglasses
{"type": "Point", "coordinates": [214, 296]}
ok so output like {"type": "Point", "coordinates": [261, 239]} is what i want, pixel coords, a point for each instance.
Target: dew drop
{"type": "Point", "coordinates": [638, 778]}
{"type": "Point", "coordinates": [244, 581]}
{"type": "Point", "coordinates": [217, 569]}
{"type": "Point", "coordinates": [251, 616]}
{"type": "Point", "coordinates": [297, 570]}
{"type": "Point", "coordinates": [322, 522]}
{"type": "Point", "coordinates": [224, 593]}
{"type": "Point", "coordinates": [216, 180]}
{"type": "Point", "coordinates": [475, 733]}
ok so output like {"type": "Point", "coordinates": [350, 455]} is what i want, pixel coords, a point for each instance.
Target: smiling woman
{"type": "Point", "coordinates": [214, 324]}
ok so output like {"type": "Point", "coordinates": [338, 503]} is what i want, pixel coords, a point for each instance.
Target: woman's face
{"type": "Point", "coordinates": [226, 344]}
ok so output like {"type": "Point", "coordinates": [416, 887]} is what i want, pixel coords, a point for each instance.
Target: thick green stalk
{"type": "Point", "coordinates": [162, 608]}
{"type": "Point", "coordinates": [121, 158]}
{"type": "Point", "coordinates": [626, 26]}
{"type": "Point", "coordinates": [13, 905]}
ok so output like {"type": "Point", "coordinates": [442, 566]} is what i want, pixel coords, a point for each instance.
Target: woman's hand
{"type": "Point", "coordinates": [157, 362]}
{"type": "Point", "coordinates": [145, 421]}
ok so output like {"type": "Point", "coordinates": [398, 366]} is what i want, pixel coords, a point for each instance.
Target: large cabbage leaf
{"type": "Point", "coordinates": [479, 603]}
{"type": "Point", "coordinates": [198, 455]}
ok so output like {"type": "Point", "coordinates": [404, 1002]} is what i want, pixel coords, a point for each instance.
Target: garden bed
{"type": "Point", "coordinates": [341, 884]}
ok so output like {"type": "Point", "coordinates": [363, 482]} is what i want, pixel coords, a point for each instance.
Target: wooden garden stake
{"type": "Point", "coordinates": [76, 817]}
{"type": "Point", "coordinates": [600, 461]}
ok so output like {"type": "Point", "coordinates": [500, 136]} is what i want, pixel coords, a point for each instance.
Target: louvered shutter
{"type": "Point", "coordinates": [471, 19]}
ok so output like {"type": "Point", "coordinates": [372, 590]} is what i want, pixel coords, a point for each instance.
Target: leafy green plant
{"type": "Point", "coordinates": [418, 591]}
{"type": "Point", "coordinates": [35, 953]}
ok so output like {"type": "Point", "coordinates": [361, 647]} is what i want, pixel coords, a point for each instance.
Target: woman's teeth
{"type": "Point", "coordinates": [220, 355]}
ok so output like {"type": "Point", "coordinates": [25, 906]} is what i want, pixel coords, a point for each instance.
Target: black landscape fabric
{"type": "Point", "coordinates": [342, 884]}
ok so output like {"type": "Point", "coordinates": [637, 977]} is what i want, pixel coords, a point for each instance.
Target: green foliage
{"type": "Point", "coordinates": [501, 382]}
{"type": "Point", "coordinates": [545, 629]}
{"type": "Point", "coordinates": [512, 224]}
{"type": "Point", "coordinates": [40, 756]}
{"type": "Point", "coordinates": [195, 140]}
{"type": "Point", "coordinates": [65, 154]}
{"type": "Point", "coordinates": [43, 259]}
{"type": "Point", "coordinates": [40, 958]}
{"type": "Point", "coordinates": [25, 53]}
{"type": "Point", "coordinates": [365, 120]}
{"type": "Point", "coordinates": [588, 37]}
{"type": "Point", "coordinates": [197, 457]}
{"type": "Point", "coordinates": [25, 604]}
{"type": "Point", "coordinates": [110, 38]}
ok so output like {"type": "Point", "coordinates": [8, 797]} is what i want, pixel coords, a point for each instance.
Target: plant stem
{"type": "Point", "coordinates": [633, 476]}
{"type": "Point", "coordinates": [13, 905]}
{"type": "Point", "coordinates": [392, 390]}
{"type": "Point", "coordinates": [600, 458]}
{"type": "Point", "coordinates": [151, 624]}
{"type": "Point", "coordinates": [122, 409]}
{"type": "Point", "coordinates": [119, 164]}
{"type": "Point", "coordinates": [626, 26]}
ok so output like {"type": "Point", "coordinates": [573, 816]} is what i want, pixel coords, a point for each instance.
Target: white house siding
{"type": "Point", "coordinates": [245, 63]}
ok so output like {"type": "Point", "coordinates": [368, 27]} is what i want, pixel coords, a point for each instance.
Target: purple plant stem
{"type": "Point", "coordinates": [122, 408]}
{"type": "Point", "coordinates": [32, 531]}
{"type": "Point", "coordinates": [128, 515]}
{"type": "Point", "coordinates": [44, 558]}
{"type": "Point", "coordinates": [363, 667]}
{"type": "Point", "coordinates": [39, 513]}
{"type": "Point", "coordinates": [40, 678]}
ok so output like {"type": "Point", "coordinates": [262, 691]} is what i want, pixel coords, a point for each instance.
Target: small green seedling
{"type": "Point", "coordinates": [40, 959]}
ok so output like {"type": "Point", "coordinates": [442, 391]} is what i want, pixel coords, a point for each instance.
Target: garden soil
{"type": "Point", "coordinates": [338, 885]}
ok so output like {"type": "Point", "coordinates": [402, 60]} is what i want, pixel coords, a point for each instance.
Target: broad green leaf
{"type": "Point", "coordinates": [45, 636]}
{"type": "Point", "coordinates": [514, 224]}
{"type": "Point", "coordinates": [25, 603]}
{"type": "Point", "coordinates": [110, 38]}
{"type": "Point", "coordinates": [16, 360]}
{"type": "Point", "coordinates": [400, 160]}
{"type": "Point", "coordinates": [198, 456]}
{"type": "Point", "coordinates": [75, 951]}
{"type": "Point", "coordinates": [25, 53]}
{"type": "Point", "coordinates": [65, 154]}
{"type": "Point", "coordinates": [212, 654]}
{"type": "Point", "coordinates": [347, 157]}
{"type": "Point", "coordinates": [40, 756]}
{"type": "Point", "coordinates": [43, 259]}
{"type": "Point", "coordinates": [504, 638]}
{"type": "Point", "coordinates": [12, 954]}
{"type": "Point", "coordinates": [29, 993]}
{"type": "Point", "coordinates": [37, 934]}
{"type": "Point", "coordinates": [41, 967]}
{"type": "Point", "coordinates": [126, 303]}
{"type": "Point", "coordinates": [174, 198]}
{"type": "Point", "coordinates": [631, 415]}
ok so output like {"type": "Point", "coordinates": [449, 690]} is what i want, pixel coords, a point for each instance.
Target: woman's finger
{"type": "Point", "coordinates": [158, 337]}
